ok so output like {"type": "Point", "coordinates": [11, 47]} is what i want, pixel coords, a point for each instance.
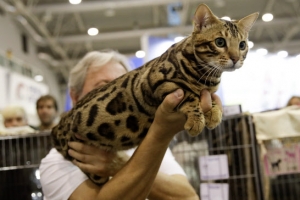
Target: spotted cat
{"type": "Point", "coordinates": [118, 115]}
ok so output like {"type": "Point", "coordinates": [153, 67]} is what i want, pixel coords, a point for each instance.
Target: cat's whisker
{"type": "Point", "coordinates": [213, 69]}
{"type": "Point", "coordinates": [214, 72]}
{"type": "Point", "coordinates": [208, 71]}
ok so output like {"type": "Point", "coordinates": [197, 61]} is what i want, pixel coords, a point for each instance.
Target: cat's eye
{"type": "Point", "coordinates": [243, 45]}
{"type": "Point", "coordinates": [220, 42]}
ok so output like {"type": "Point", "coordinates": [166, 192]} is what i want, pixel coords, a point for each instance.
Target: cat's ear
{"type": "Point", "coordinates": [203, 17]}
{"type": "Point", "coordinates": [247, 22]}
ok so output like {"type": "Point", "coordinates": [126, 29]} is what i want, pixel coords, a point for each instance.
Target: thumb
{"type": "Point", "coordinates": [172, 100]}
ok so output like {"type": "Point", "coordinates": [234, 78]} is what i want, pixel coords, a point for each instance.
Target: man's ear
{"type": "Point", "coordinates": [74, 96]}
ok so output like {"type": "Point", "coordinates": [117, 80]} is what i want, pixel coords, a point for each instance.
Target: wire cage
{"type": "Point", "coordinates": [278, 134]}
{"type": "Point", "coordinates": [281, 169]}
{"type": "Point", "coordinates": [23, 151]}
{"type": "Point", "coordinates": [233, 140]}
{"type": "Point", "coordinates": [20, 158]}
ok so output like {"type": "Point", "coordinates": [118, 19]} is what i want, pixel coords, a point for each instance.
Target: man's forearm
{"type": "Point", "coordinates": [175, 187]}
{"type": "Point", "coordinates": [142, 167]}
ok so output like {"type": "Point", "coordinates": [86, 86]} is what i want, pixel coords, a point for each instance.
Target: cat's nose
{"type": "Point", "coordinates": [234, 59]}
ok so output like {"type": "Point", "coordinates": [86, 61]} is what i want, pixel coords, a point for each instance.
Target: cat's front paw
{"type": "Point", "coordinates": [213, 117]}
{"type": "Point", "coordinates": [194, 124]}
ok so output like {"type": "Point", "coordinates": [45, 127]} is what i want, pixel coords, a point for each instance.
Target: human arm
{"type": "Point", "coordinates": [176, 186]}
{"type": "Point", "coordinates": [165, 186]}
{"type": "Point", "coordinates": [135, 179]}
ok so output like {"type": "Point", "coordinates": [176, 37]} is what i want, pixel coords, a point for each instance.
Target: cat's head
{"type": "Point", "coordinates": [218, 43]}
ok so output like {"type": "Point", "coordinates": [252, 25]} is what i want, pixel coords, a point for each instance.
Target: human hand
{"type": "Point", "coordinates": [169, 121]}
{"type": "Point", "coordinates": [206, 100]}
{"type": "Point", "coordinates": [91, 159]}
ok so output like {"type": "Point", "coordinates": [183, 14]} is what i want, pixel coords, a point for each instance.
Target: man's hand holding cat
{"type": "Point", "coordinates": [169, 121]}
{"type": "Point", "coordinates": [207, 99]}
{"type": "Point", "coordinates": [94, 160]}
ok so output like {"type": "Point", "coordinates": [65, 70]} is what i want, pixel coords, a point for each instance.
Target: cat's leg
{"type": "Point", "coordinates": [213, 117]}
{"type": "Point", "coordinates": [189, 106]}
{"type": "Point", "coordinates": [195, 121]}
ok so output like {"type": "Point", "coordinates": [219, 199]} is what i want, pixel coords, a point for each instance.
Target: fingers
{"type": "Point", "coordinates": [82, 148]}
{"type": "Point", "coordinates": [78, 156]}
{"type": "Point", "coordinates": [89, 153]}
{"type": "Point", "coordinates": [205, 101]}
{"type": "Point", "coordinates": [100, 170]}
{"type": "Point", "coordinates": [172, 100]}
{"type": "Point", "coordinates": [218, 101]}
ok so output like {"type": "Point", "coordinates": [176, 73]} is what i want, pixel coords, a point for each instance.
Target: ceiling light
{"type": "Point", "coordinates": [93, 31]}
{"type": "Point", "coordinates": [140, 54]}
{"type": "Point", "coordinates": [262, 52]}
{"type": "Point", "coordinates": [178, 39]}
{"type": "Point", "coordinates": [282, 54]}
{"type": "Point", "coordinates": [250, 44]}
{"type": "Point", "coordinates": [267, 17]}
{"type": "Point", "coordinates": [38, 78]}
{"type": "Point", "coordinates": [74, 2]}
{"type": "Point", "coordinates": [226, 18]}
{"type": "Point", "coordinates": [298, 56]}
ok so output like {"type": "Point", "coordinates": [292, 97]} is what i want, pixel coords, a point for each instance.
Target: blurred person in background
{"type": "Point", "coordinates": [47, 110]}
{"type": "Point", "coordinates": [144, 175]}
{"type": "Point", "coordinates": [14, 116]}
{"type": "Point", "coordinates": [21, 180]}
{"type": "Point", "coordinates": [294, 100]}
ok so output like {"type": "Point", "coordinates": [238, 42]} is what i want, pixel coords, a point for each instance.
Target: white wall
{"type": "Point", "coordinates": [263, 83]}
{"type": "Point", "coordinates": [10, 38]}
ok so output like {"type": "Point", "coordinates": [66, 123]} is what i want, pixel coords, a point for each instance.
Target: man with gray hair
{"type": "Point", "coordinates": [151, 172]}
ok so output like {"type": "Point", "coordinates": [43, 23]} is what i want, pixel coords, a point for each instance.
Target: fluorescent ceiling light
{"type": "Point", "coordinates": [140, 54]}
{"type": "Point", "coordinates": [267, 17]}
{"type": "Point", "coordinates": [75, 2]}
{"type": "Point", "coordinates": [93, 31]}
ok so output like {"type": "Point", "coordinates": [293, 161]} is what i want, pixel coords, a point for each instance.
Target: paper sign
{"type": "Point", "coordinates": [213, 167]}
{"type": "Point", "coordinates": [213, 191]}
{"type": "Point", "coordinates": [284, 160]}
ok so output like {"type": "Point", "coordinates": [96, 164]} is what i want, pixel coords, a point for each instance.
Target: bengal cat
{"type": "Point", "coordinates": [118, 115]}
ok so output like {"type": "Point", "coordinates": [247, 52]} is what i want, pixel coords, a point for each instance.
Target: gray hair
{"type": "Point", "coordinates": [97, 59]}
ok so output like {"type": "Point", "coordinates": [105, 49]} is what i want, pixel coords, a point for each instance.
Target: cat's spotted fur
{"type": "Point", "coordinates": [118, 115]}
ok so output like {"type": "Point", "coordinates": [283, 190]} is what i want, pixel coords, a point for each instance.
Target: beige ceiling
{"type": "Point", "coordinates": [60, 29]}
